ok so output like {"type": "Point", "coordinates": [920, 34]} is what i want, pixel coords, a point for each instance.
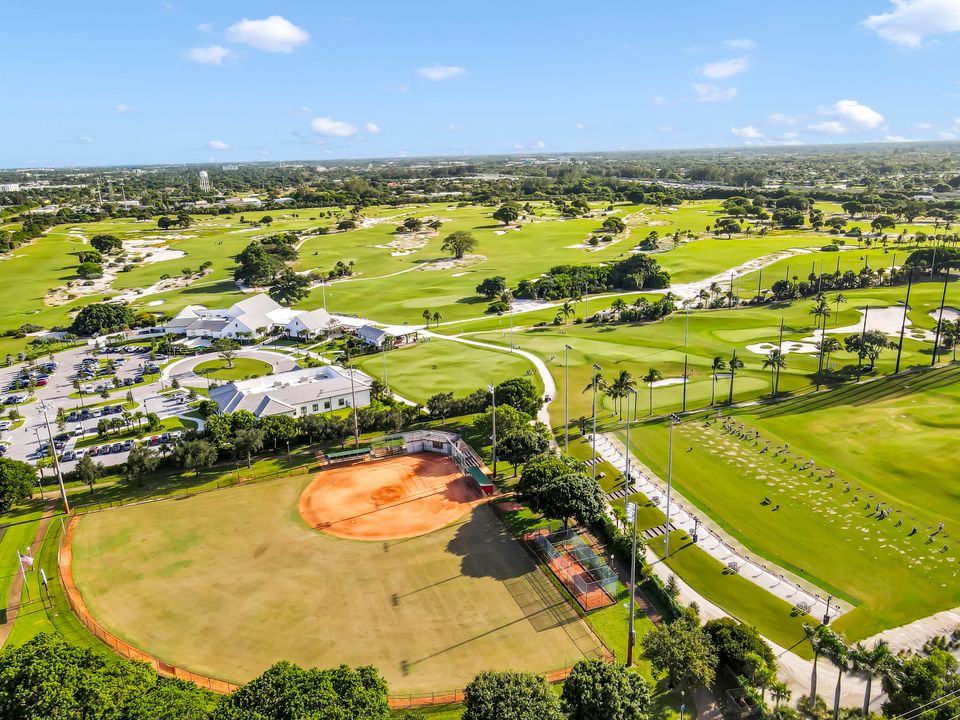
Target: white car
{"type": "Point", "coordinates": [80, 452]}
{"type": "Point", "coordinates": [5, 425]}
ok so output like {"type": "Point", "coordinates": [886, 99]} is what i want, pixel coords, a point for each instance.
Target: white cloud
{"type": "Point", "coordinates": [828, 127]}
{"type": "Point", "coordinates": [740, 43]}
{"type": "Point", "coordinates": [217, 145]}
{"type": "Point", "coordinates": [895, 139]}
{"type": "Point", "coordinates": [211, 55]}
{"type": "Point", "coordinates": [580, 126]}
{"type": "Point", "coordinates": [326, 125]}
{"type": "Point", "coordinates": [747, 131]}
{"type": "Point", "coordinates": [783, 118]}
{"type": "Point", "coordinates": [372, 128]}
{"type": "Point", "coordinates": [854, 112]}
{"type": "Point", "coordinates": [712, 93]}
{"type": "Point", "coordinates": [85, 139]}
{"type": "Point", "coordinates": [540, 144]}
{"type": "Point", "coordinates": [440, 72]}
{"type": "Point", "coordinates": [123, 108]}
{"type": "Point", "coordinates": [947, 135]}
{"type": "Point", "coordinates": [790, 136]}
{"type": "Point", "coordinates": [274, 34]}
{"type": "Point", "coordinates": [519, 147]}
{"type": "Point", "coordinates": [910, 22]}
{"type": "Point", "coordinates": [724, 68]}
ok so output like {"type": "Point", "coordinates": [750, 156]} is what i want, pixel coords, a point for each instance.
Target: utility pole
{"type": "Point", "coordinates": [353, 395]}
{"type": "Point", "coordinates": [493, 394]}
{"type": "Point", "coordinates": [683, 406]}
{"type": "Point", "coordinates": [596, 369]}
{"type": "Point", "coordinates": [566, 398]}
{"type": "Point", "coordinates": [56, 461]}
{"type": "Point", "coordinates": [631, 515]}
{"type": "Point", "coordinates": [666, 535]}
{"type": "Point", "coordinates": [943, 299]}
{"type": "Point", "coordinates": [903, 323]}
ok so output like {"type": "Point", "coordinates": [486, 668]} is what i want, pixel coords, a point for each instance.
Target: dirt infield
{"type": "Point", "coordinates": [390, 499]}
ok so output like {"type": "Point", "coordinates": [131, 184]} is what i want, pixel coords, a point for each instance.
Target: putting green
{"type": "Point", "coordinates": [239, 369]}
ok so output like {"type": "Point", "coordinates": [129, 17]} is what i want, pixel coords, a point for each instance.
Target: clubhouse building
{"type": "Point", "coordinates": [253, 318]}
{"type": "Point", "coordinates": [299, 392]}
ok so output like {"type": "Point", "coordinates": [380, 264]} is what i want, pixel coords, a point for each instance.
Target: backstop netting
{"type": "Point", "coordinates": [572, 558]}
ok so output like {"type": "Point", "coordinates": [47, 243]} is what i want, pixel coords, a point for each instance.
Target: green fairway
{"type": "Point", "coordinates": [229, 582]}
{"type": "Point", "coordinates": [238, 369]}
{"type": "Point", "coordinates": [824, 528]}
{"type": "Point", "coordinates": [419, 371]}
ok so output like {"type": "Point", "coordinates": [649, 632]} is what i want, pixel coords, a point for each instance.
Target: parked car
{"type": "Point", "coordinates": [117, 447]}
{"type": "Point", "coordinates": [69, 456]}
{"type": "Point", "coordinates": [104, 449]}
{"type": "Point", "coordinates": [5, 425]}
{"type": "Point", "coordinates": [153, 441]}
{"type": "Point", "coordinates": [127, 444]}
{"type": "Point", "coordinates": [94, 451]}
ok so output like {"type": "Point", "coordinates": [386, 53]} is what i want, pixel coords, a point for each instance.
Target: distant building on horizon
{"type": "Point", "coordinates": [204, 181]}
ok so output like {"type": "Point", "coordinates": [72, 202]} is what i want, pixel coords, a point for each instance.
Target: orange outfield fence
{"type": "Point", "coordinates": [124, 649]}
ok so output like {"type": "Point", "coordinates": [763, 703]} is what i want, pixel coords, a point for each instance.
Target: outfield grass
{"type": "Point", "coordinates": [418, 371]}
{"type": "Point", "coordinates": [240, 570]}
{"type": "Point", "coordinates": [239, 369]}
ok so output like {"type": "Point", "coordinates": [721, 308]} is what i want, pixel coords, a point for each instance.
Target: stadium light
{"type": "Point", "coordinates": [674, 418]}
{"type": "Point", "coordinates": [596, 369]}
{"type": "Point", "coordinates": [493, 415]}
{"type": "Point", "coordinates": [566, 398]}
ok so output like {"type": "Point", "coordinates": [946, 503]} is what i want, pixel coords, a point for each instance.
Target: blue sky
{"type": "Point", "coordinates": [175, 81]}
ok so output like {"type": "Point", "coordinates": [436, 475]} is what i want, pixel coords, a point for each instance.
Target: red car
{"type": "Point", "coordinates": [94, 451]}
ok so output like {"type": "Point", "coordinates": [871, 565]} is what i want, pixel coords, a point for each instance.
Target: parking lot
{"type": "Point", "coordinates": [87, 374]}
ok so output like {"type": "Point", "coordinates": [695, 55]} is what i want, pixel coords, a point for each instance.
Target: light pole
{"type": "Point", "coordinates": [56, 461]}
{"type": "Point", "coordinates": [383, 350]}
{"type": "Point", "coordinates": [511, 324]}
{"type": "Point", "coordinates": [493, 415]}
{"type": "Point", "coordinates": [903, 322]}
{"type": "Point", "coordinates": [353, 400]}
{"type": "Point", "coordinates": [596, 369]}
{"type": "Point", "coordinates": [566, 398]}
{"type": "Point", "coordinates": [666, 535]}
{"type": "Point", "coordinates": [631, 516]}
{"type": "Point", "coordinates": [943, 299]}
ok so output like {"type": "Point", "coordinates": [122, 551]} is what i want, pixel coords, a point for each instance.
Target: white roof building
{"type": "Point", "coordinates": [296, 393]}
{"type": "Point", "coordinates": [253, 317]}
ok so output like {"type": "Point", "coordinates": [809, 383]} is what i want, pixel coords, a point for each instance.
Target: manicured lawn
{"type": "Point", "coordinates": [826, 529]}
{"type": "Point", "coordinates": [430, 612]}
{"type": "Point", "coordinates": [239, 369]}
{"type": "Point", "coordinates": [419, 371]}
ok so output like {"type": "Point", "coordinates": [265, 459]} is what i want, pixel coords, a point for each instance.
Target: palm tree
{"type": "Point", "coordinates": [814, 635]}
{"type": "Point", "coordinates": [838, 653]}
{"type": "Point", "coordinates": [718, 365]}
{"type": "Point", "coordinates": [774, 361]}
{"type": "Point", "coordinates": [872, 661]}
{"type": "Point", "coordinates": [715, 289]}
{"type": "Point", "coordinates": [583, 422]}
{"type": "Point", "coordinates": [426, 316]}
{"type": "Point", "coordinates": [703, 296]}
{"type": "Point", "coordinates": [780, 692]}
{"type": "Point", "coordinates": [821, 311]}
{"type": "Point", "coordinates": [829, 345]}
{"type": "Point", "coordinates": [652, 376]}
{"type": "Point", "coordinates": [567, 310]}
{"type": "Point", "coordinates": [621, 387]}
{"type": "Point", "coordinates": [618, 305]}
{"type": "Point", "coordinates": [437, 317]}
{"type": "Point", "coordinates": [838, 299]}
{"type": "Point", "coordinates": [735, 364]}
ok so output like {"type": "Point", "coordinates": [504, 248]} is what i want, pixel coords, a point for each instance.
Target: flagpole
{"type": "Point", "coordinates": [23, 572]}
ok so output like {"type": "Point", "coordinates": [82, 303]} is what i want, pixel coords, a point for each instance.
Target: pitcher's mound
{"type": "Point", "coordinates": [399, 497]}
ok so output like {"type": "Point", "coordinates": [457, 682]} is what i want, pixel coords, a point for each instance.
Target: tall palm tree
{"type": "Point", "coordinates": [735, 364]}
{"type": "Point", "coordinates": [621, 388]}
{"type": "Point", "coordinates": [870, 662]}
{"type": "Point", "coordinates": [652, 376]}
{"type": "Point", "coordinates": [718, 365]}
{"type": "Point", "coordinates": [840, 298]}
{"type": "Point", "coordinates": [715, 289]}
{"type": "Point", "coordinates": [437, 317]}
{"type": "Point", "coordinates": [839, 654]}
{"type": "Point", "coordinates": [703, 296]}
{"type": "Point", "coordinates": [814, 635]}
{"type": "Point", "coordinates": [774, 361]}
{"type": "Point", "coordinates": [829, 345]}
{"type": "Point", "coordinates": [821, 311]}
{"type": "Point", "coordinates": [426, 314]}
{"type": "Point", "coordinates": [618, 305]}
{"type": "Point", "coordinates": [567, 310]}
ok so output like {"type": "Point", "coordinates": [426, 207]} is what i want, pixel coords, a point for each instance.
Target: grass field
{"type": "Point", "coordinates": [240, 369]}
{"type": "Point", "coordinates": [419, 371]}
{"type": "Point", "coordinates": [889, 441]}
{"type": "Point", "coordinates": [229, 582]}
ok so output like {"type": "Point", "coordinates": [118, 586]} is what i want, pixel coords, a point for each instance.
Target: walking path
{"type": "Point", "coordinates": [770, 577]}
{"type": "Point", "coordinates": [13, 604]}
